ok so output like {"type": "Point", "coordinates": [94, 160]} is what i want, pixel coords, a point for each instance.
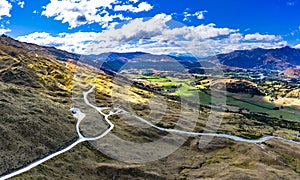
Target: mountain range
{"type": "Point", "coordinates": [267, 59]}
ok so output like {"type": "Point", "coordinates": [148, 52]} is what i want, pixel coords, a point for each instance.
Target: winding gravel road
{"type": "Point", "coordinates": [80, 116]}
{"type": "Point", "coordinates": [236, 138]}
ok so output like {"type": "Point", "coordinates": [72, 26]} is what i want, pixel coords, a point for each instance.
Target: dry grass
{"type": "Point", "coordinates": [34, 120]}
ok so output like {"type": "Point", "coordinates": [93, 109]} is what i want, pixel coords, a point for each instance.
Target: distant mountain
{"type": "Point", "coordinates": [272, 59]}
{"type": "Point", "coordinates": [139, 60]}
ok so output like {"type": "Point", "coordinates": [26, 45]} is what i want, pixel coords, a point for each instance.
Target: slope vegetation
{"type": "Point", "coordinates": [37, 87]}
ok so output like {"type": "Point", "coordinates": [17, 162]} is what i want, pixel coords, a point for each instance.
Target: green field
{"type": "Point", "coordinates": [154, 78]}
{"type": "Point", "coordinates": [168, 85]}
{"type": "Point", "coordinates": [245, 102]}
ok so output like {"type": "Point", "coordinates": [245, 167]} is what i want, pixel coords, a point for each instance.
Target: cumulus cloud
{"type": "Point", "coordinates": [21, 4]}
{"type": "Point", "coordinates": [199, 14]}
{"type": "Point", "coordinates": [234, 38]}
{"type": "Point", "coordinates": [138, 29]}
{"type": "Point", "coordinates": [5, 8]}
{"type": "Point", "coordinates": [76, 12]}
{"type": "Point", "coordinates": [297, 46]}
{"type": "Point", "coordinates": [80, 12]}
{"type": "Point", "coordinates": [4, 31]}
{"type": "Point", "coordinates": [156, 36]}
{"type": "Point", "coordinates": [143, 6]}
{"type": "Point", "coordinates": [107, 40]}
{"type": "Point", "coordinates": [186, 16]}
{"type": "Point", "coordinates": [197, 33]}
{"type": "Point", "coordinates": [134, 1]}
{"type": "Point", "coordinates": [260, 37]}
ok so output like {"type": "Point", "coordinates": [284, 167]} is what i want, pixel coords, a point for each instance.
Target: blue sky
{"type": "Point", "coordinates": [200, 27]}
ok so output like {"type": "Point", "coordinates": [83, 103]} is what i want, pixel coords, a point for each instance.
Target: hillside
{"type": "Point", "coordinates": [34, 105]}
{"type": "Point", "coordinates": [38, 50]}
{"type": "Point", "coordinates": [140, 60]}
{"type": "Point", "coordinates": [272, 59]}
{"type": "Point", "coordinates": [268, 59]}
{"type": "Point", "coordinates": [35, 101]}
{"type": "Point", "coordinates": [291, 72]}
{"type": "Point", "coordinates": [37, 92]}
{"type": "Point", "coordinates": [240, 86]}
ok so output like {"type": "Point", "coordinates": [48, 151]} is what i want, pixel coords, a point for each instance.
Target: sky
{"type": "Point", "coordinates": [198, 27]}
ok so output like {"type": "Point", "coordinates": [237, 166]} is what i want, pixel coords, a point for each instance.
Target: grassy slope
{"type": "Point", "coordinates": [221, 159]}
{"type": "Point", "coordinates": [31, 125]}
{"type": "Point", "coordinates": [35, 99]}
{"type": "Point", "coordinates": [35, 113]}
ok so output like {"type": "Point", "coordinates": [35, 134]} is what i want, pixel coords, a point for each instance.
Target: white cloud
{"type": "Point", "coordinates": [297, 46]}
{"type": "Point", "coordinates": [134, 1]}
{"type": "Point", "coordinates": [138, 29]}
{"type": "Point", "coordinates": [143, 6]}
{"type": "Point", "coordinates": [156, 36]}
{"type": "Point", "coordinates": [74, 42]}
{"type": "Point", "coordinates": [186, 16]}
{"type": "Point", "coordinates": [197, 33]}
{"type": "Point", "coordinates": [200, 14]}
{"type": "Point", "coordinates": [4, 31]}
{"type": "Point", "coordinates": [260, 37]}
{"type": "Point", "coordinates": [235, 38]}
{"type": "Point", "coordinates": [80, 12]}
{"type": "Point", "coordinates": [5, 8]}
{"type": "Point", "coordinates": [107, 40]}
{"type": "Point", "coordinates": [21, 4]}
